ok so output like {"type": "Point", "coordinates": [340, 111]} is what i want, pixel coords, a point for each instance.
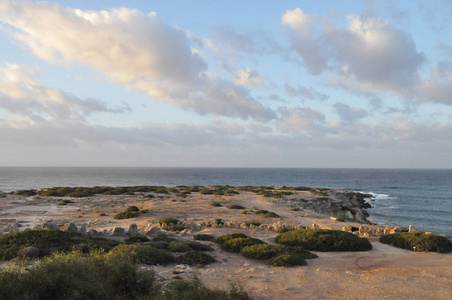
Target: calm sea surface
{"type": "Point", "coordinates": [401, 197]}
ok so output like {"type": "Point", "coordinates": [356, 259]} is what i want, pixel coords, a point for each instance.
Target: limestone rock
{"type": "Point", "coordinates": [71, 227]}
{"type": "Point", "coordinates": [82, 229]}
{"type": "Point", "coordinates": [243, 226]}
{"type": "Point", "coordinates": [119, 231]}
{"type": "Point", "coordinates": [13, 228]}
{"type": "Point", "coordinates": [50, 226]}
{"type": "Point", "coordinates": [92, 232]}
{"type": "Point", "coordinates": [411, 228]}
{"type": "Point", "coordinates": [133, 229]}
{"type": "Point", "coordinates": [315, 226]}
{"type": "Point", "coordinates": [387, 230]}
{"type": "Point", "coordinates": [363, 231]}
{"type": "Point", "coordinates": [152, 230]}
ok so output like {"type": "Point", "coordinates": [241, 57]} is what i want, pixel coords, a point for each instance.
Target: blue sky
{"type": "Point", "coordinates": [226, 83]}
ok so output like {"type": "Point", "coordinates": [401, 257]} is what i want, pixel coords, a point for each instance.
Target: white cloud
{"type": "Point", "coordinates": [140, 51]}
{"type": "Point", "coordinates": [248, 77]}
{"type": "Point", "coordinates": [370, 51]}
{"type": "Point", "coordinates": [305, 92]}
{"type": "Point", "coordinates": [437, 88]}
{"type": "Point", "coordinates": [24, 96]}
{"type": "Point", "coordinates": [349, 114]}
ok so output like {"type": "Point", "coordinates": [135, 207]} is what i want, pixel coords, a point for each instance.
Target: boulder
{"type": "Point", "coordinates": [387, 230]}
{"type": "Point", "coordinates": [363, 231]}
{"type": "Point", "coordinates": [119, 231]}
{"type": "Point", "coordinates": [315, 226]}
{"type": "Point", "coordinates": [71, 227]}
{"type": "Point", "coordinates": [152, 230]}
{"type": "Point", "coordinates": [50, 226]}
{"type": "Point", "coordinates": [411, 228]}
{"type": "Point", "coordinates": [82, 229]}
{"type": "Point", "coordinates": [133, 229]}
{"type": "Point", "coordinates": [13, 228]}
{"type": "Point", "coordinates": [93, 232]}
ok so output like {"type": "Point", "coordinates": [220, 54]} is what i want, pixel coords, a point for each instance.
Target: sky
{"type": "Point", "coordinates": [254, 83]}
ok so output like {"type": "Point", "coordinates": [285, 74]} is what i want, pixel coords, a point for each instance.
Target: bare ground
{"type": "Point", "coordinates": [382, 273]}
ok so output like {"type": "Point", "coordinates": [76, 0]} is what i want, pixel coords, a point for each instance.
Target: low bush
{"type": "Point", "coordinates": [254, 223]}
{"type": "Point", "coordinates": [125, 215]}
{"type": "Point", "coordinates": [223, 238]}
{"type": "Point", "coordinates": [215, 204]}
{"type": "Point", "coordinates": [185, 246]}
{"type": "Point", "coordinates": [263, 251]}
{"type": "Point", "coordinates": [288, 260]}
{"type": "Point", "coordinates": [235, 245]}
{"type": "Point", "coordinates": [418, 241]}
{"type": "Point", "coordinates": [267, 251]}
{"type": "Point", "coordinates": [195, 290]}
{"type": "Point", "coordinates": [203, 237]}
{"type": "Point", "coordinates": [163, 238]}
{"type": "Point", "coordinates": [48, 241]}
{"type": "Point", "coordinates": [144, 254]}
{"type": "Point", "coordinates": [195, 258]}
{"type": "Point", "coordinates": [324, 240]}
{"type": "Point", "coordinates": [79, 276]}
{"type": "Point", "coordinates": [136, 239]}
{"type": "Point", "coordinates": [171, 224]}
{"type": "Point", "coordinates": [235, 206]}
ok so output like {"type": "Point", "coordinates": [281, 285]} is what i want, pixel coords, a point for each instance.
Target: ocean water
{"type": "Point", "coordinates": [402, 197]}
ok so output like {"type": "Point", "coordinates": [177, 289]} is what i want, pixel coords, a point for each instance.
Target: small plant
{"type": "Point", "coordinates": [185, 246]}
{"type": "Point", "coordinates": [235, 206]}
{"type": "Point", "coordinates": [144, 254]}
{"type": "Point", "coordinates": [324, 240]}
{"type": "Point", "coordinates": [418, 241]}
{"type": "Point", "coordinates": [288, 260]}
{"type": "Point", "coordinates": [215, 204]}
{"type": "Point", "coordinates": [171, 224]}
{"type": "Point", "coordinates": [204, 237]}
{"type": "Point", "coordinates": [263, 251]}
{"type": "Point", "coordinates": [196, 258]}
{"type": "Point", "coordinates": [136, 239]}
{"type": "Point", "coordinates": [65, 202]}
{"type": "Point", "coordinates": [235, 245]}
{"type": "Point", "coordinates": [254, 223]}
{"type": "Point", "coordinates": [223, 238]}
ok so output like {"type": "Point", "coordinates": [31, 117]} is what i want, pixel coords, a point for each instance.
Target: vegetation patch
{"type": "Point", "coordinates": [288, 260]}
{"type": "Point", "coordinates": [144, 254]}
{"type": "Point", "coordinates": [324, 240]}
{"type": "Point", "coordinates": [195, 258]}
{"type": "Point", "coordinates": [203, 237]}
{"type": "Point", "coordinates": [223, 238]}
{"type": "Point", "coordinates": [263, 251]}
{"type": "Point", "coordinates": [215, 204]}
{"type": "Point", "coordinates": [417, 241]}
{"type": "Point", "coordinates": [48, 241]}
{"type": "Point", "coordinates": [129, 213]}
{"type": "Point", "coordinates": [170, 224]}
{"type": "Point", "coordinates": [235, 206]}
{"type": "Point", "coordinates": [136, 239]}
{"type": "Point", "coordinates": [235, 245]}
{"type": "Point", "coordinates": [185, 246]}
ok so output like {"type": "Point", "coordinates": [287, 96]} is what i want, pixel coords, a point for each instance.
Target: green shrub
{"type": "Point", "coordinates": [263, 251]}
{"type": "Point", "coordinates": [418, 241]}
{"type": "Point", "coordinates": [196, 258]}
{"type": "Point", "coordinates": [215, 204]}
{"type": "Point", "coordinates": [79, 276]}
{"type": "Point", "coordinates": [288, 260]}
{"type": "Point", "coordinates": [133, 209]}
{"type": "Point", "coordinates": [223, 238]}
{"type": "Point", "coordinates": [195, 290]}
{"type": "Point", "coordinates": [65, 202]}
{"type": "Point", "coordinates": [125, 215]}
{"type": "Point", "coordinates": [204, 237]}
{"type": "Point", "coordinates": [49, 241]}
{"type": "Point", "coordinates": [171, 224]}
{"type": "Point", "coordinates": [235, 245]}
{"type": "Point", "coordinates": [185, 246]}
{"type": "Point", "coordinates": [271, 215]}
{"type": "Point", "coordinates": [235, 206]}
{"type": "Point", "coordinates": [324, 240]}
{"type": "Point", "coordinates": [163, 238]}
{"type": "Point", "coordinates": [144, 254]}
{"type": "Point", "coordinates": [136, 239]}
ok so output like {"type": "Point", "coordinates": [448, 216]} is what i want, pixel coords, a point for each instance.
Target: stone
{"type": "Point", "coordinates": [315, 226]}
{"type": "Point", "coordinates": [396, 229]}
{"type": "Point", "coordinates": [411, 228]}
{"type": "Point", "coordinates": [2, 194]}
{"type": "Point", "coordinates": [379, 231]}
{"type": "Point", "coordinates": [299, 227]}
{"type": "Point", "coordinates": [119, 231]}
{"type": "Point", "coordinates": [243, 226]}
{"type": "Point", "coordinates": [36, 227]}
{"type": "Point", "coordinates": [349, 216]}
{"type": "Point", "coordinates": [82, 229]}
{"type": "Point", "coordinates": [13, 228]}
{"type": "Point", "coordinates": [363, 230]}
{"type": "Point", "coordinates": [92, 232]}
{"type": "Point", "coordinates": [29, 252]}
{"type": "Point", "coordinates": [133, 229]}
{"type": "Point", "coordinates": [152, 230]}
{"type": "Point", "coordinates": [50, 226]}
{"type": "Point", "coordinates": [71, 227]}
{"type": "Point", "coordinates": [387, 230]}
{"type": "Point", "coordinates": [179, 269]}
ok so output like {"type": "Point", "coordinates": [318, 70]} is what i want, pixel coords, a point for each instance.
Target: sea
{"type": "Point", "coordinates": [400, 197]}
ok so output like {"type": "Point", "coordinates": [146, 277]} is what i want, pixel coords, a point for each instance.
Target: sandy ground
{"type": "Point", "coordinates": [382, 273]}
